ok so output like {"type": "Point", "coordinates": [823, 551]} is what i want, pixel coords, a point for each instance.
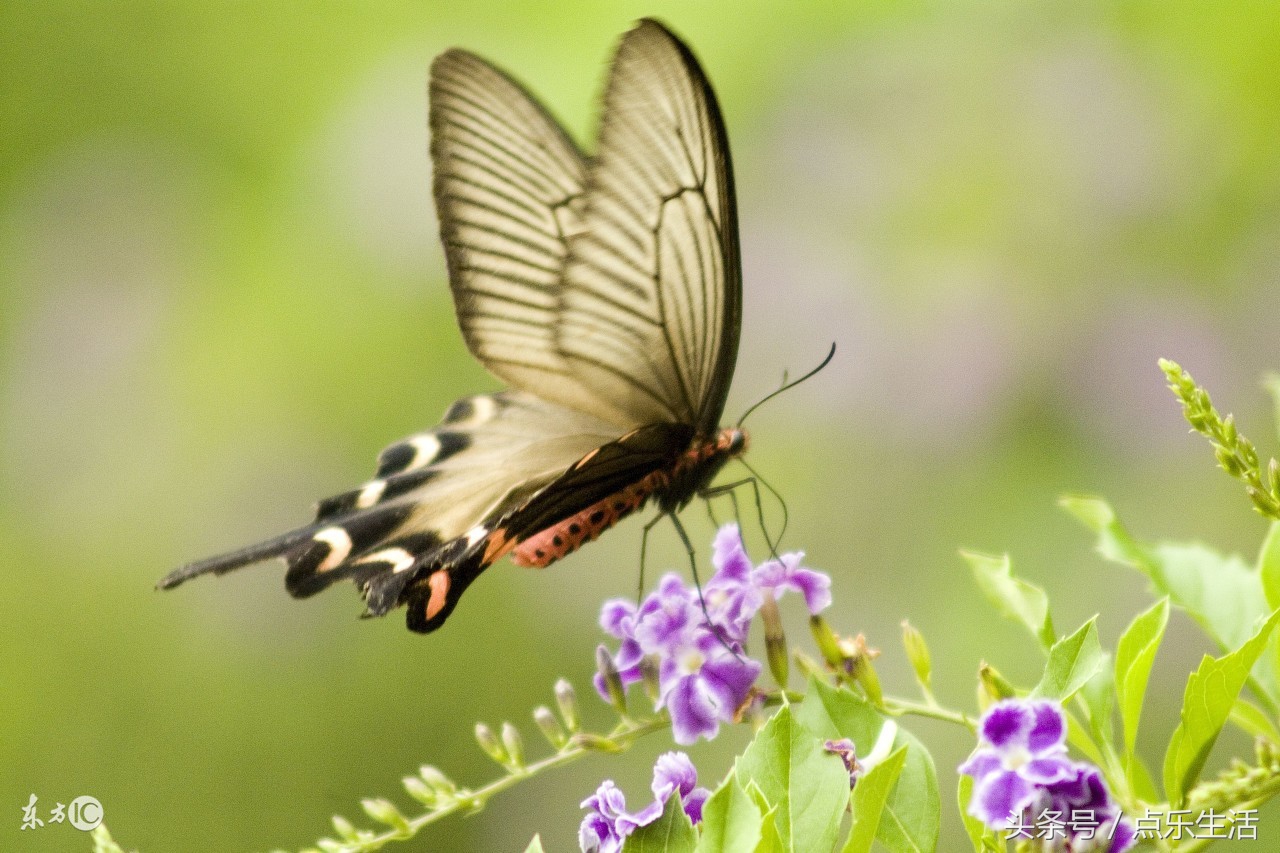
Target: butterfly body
{"type": "Point", "coordinates": [605, 290]}
{"type": "Point", "coordinates": [672, 487]}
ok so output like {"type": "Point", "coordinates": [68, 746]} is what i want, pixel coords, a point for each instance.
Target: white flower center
{"type": "Point", "coordinates": [692, 661]}
{"type": "Point", "coordinates": [1016, 757]}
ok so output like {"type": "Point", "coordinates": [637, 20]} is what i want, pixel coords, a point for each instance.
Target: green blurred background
{"type": "Point", "coordinates": [221, 294]}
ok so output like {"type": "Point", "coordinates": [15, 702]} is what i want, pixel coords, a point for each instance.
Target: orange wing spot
{"type": "Point", "coordinates": [439, 584]}
{"type": "Point", "coordinates": [584, 460]}
{"type": "Point", "coordinates": [498, 544]}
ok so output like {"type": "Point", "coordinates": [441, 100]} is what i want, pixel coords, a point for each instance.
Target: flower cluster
{"type": "Point", "coordinates": [1025, 783]}
{"type": "Point", "coordinates": [608, 822]}
{"type": "Point", "coordinates": [704, 675]}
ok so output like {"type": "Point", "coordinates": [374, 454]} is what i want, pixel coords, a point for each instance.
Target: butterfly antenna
{"type": "Point", "coordinates": [787, 386]}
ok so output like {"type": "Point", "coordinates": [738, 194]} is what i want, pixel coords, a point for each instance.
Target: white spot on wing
{"type": "Point", "coordinates": [483, 410]}
{"type": "Point", "coordinates": [426, 447]}
{"type": "Point", "coordinates": [399, 558]}
{"type": "Point", "coordinates": [371, 493]}
{"type": "Point", "coordinates": [475, 534]}
{"type": "Point", "coordinates": [339, 547]}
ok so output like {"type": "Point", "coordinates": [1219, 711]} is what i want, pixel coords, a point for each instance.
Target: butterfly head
{"type": "Point", "coordinates": [732, 441]}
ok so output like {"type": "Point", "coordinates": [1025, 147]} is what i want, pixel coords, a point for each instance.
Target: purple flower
{"type": "Point", "coordinates": [697, 644]}
{"type": "Point", "coordinates": [608, 823]}
{"type": "Point", "coordinates": [1022, 775]}
{"type": "Point", "coordinates": [786, 573]}
{"type": "Point", "coordinates": [703, 683]}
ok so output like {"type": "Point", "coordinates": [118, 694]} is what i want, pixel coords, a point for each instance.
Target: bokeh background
{"type": "Point", "coordinates": [221, 294]}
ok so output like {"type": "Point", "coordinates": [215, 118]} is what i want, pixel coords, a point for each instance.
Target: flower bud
{"type": "Point", "coordinates": [567, 702]}
{"type": "Point", "coordinates": [992, 686]}
{"type": "Point", "coordinates": [385, 811]}
{"type": "Point", "coordinates": [514, 744]}
{"type": "Point", "coordinates": [345, 829]}
{"type": "Point", "coordinates": [917, 654]}
{"type": "Point", "coordinates": [775, 640]}
{"type": "Point", "coordinates": [858, 657]}
{"type": "Point", "coordinates": [649, 676]}
{"type": "Point", "coordinates": [439, 782]}
{"type": "Point", "coordinates": [611, 679]}
{"type": "Point", "coordinates": [491, 745]}
{"type": "Point", "coordinates": [550, 726]}
{"type": "Point", "coordinates": [420, 790]}
{"type": "Point", "coordinates": [828, 643]}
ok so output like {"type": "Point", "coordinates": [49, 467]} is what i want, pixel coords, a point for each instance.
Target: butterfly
{"type": "Point", "coordinates": [605, 290]}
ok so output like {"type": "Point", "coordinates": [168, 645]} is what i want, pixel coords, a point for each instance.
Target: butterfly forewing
{"type": "Point", "coordinates": [509, 186]}
{"type": "Point", "coordinates": [653, 289]}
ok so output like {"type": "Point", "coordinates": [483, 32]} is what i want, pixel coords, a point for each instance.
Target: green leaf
{"type": "Point", "coordinates": [770, 840]}
{"type": "Point", "coordinates": [1015, 598]}
{"type": "Point", "coordinates": [1098, 695]}
{"type": "Point", "coordinates": [982, 838]}
{"type": "Point", "coordinates": [1135, 653]}
{"type": "Point", "coordinates": [731, 820]}
{"type": "Point", "coordinates": [535, 846]}
{"type": "Point", "coordinates": [1272, 383]}
{"type": "Point", "coordinates": [1269, 565]}
{"type": "Point", "coordinates": [1144, 784]}
{"type": "Point", "coordinates": [1211, 692]}
{"type": "Point", "coordinates": [1223, 594]}
{"type": "Point", "coordinates": [1072, 662]}
{"type": "Point", "coordinates": [808, 785]}
{"type": "Point", "coordinates": [910, 818]}
{"type": "Point", "coordinates": [1253, 720]}
{"type": "Point", "coordinates": [671, 833]}
{"type": "Point", "coordinates": [1078, 735]}
{"type": "Point", "coordinates": [869, 797]}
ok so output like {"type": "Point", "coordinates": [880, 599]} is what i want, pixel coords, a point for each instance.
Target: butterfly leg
{"type": "Point", "coordinates": [697, 582]}
{"type": "Point", "coordinates": [644, 544]}
{"type": "Point", "coordinates": [754, 482]}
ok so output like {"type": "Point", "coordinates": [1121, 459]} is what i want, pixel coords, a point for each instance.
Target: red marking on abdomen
{"type": "Point", "coordinates": [542, 549]}
{"type": "Point", "coordinates": [563, 538]}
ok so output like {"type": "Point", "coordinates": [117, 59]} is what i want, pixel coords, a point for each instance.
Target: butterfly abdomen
{"type": "Point", "coordinates": [542, 549]}
{"type": "Point", "coordinates": [672, 487]}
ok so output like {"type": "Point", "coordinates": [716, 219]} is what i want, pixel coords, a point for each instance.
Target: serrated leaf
{"type": "Point", "coordinates": [535, 846]}
{"type": "Point", "coordinates": [808, 785]}
{"type": "Point", "coordinates": [869, 798]}
{"type": "Point", "coordinates": [731, 820]}
{"type": "Point", "coordinates": [1135, 654]}
{"type": "Point", "coordinates": [770, 839]}
{"type": "Point", "coordinates": [1223, 594]}
{"type": "Point", "coordinates": [982, 838]}
{"type": "Point", "coordinates": [1210, 694]}
{"type": "Point", "coordinates": [1014, 597]}
{"type": "Point", "coordinates": [911, 814]}
{"type": "Point", "coordinates": [671, 833]}
{"type": "Point", "coordinates": [1073, 660]}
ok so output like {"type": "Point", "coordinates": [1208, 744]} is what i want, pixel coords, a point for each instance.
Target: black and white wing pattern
{"type": "Point", "coordinates": [605, 291]}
